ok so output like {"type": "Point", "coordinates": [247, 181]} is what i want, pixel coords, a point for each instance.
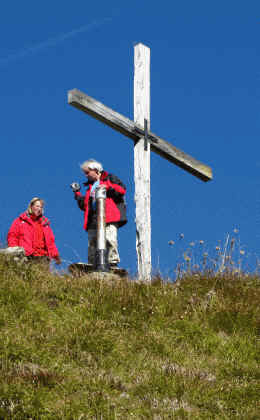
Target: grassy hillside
{"type": "Point", "coordinates": [78, 348]}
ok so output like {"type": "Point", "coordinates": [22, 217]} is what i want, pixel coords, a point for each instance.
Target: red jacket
{"type": "Point", "coordinates": [22, 233]}
{"type": "Point", "coordinates": [115, 202]}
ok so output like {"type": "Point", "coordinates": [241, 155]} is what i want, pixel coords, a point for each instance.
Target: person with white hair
{"type": "Point", "coordinates": [115, 208]}
{"type": "Point", "coordinates": [32, 232]}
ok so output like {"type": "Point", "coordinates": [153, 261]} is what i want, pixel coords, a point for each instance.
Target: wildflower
{"type": "Point", "coordinates": [235, 230]}
{"type": "Point", "coordinates": [242, 252]}
{"type": "Point", "coordinates": [192, 243]}
{"type": "Point", "coordinates": [201, 242]}
{"type": "Point", "coordinates": [171, 243]}
{"type": "Point", "coordinates": [181, 235]}
{"type": "Point", "coordinates": [217, 248]}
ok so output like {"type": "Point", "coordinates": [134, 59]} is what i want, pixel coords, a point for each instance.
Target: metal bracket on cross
{"type": "Point", "coordinates": [145, 133]}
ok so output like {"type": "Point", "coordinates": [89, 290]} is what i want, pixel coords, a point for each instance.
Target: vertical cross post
{"type": "Point", "coordinates": [142, 161]}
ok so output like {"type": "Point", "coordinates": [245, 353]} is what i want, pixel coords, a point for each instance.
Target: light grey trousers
{"type": "Point", "coordinates": [112, 245]}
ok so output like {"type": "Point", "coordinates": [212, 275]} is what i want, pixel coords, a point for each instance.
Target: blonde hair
{"type": "Point", "coordinates": [91, 164]}
{"type": "Point", "coordinates": [32, 202]}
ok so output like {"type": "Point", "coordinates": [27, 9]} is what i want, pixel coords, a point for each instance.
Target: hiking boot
{"type": "Point", "coordinates": [114, 266]}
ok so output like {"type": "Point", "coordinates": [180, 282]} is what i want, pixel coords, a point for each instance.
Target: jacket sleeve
{"type": "Point", "coordinates": [80, 200]}
{"type": "Point", "coordinates": [14, 233]}
{"type": "Point", "coordinates": [116, 189]}
{"type": "Point", "coordinates": [53, 250]}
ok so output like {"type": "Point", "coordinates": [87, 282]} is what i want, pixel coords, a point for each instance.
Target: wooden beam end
{"type": "Point", "coordinates": [206, 173]}
{"type": "Point", "coordinates": [71, 94]}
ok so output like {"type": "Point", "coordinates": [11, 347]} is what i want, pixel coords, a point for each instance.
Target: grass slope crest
{"type": "Point", "coordinates": [80, 348]}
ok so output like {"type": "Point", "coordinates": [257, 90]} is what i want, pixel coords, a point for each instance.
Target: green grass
{"type": "Point", "coordinates": [78, 348]}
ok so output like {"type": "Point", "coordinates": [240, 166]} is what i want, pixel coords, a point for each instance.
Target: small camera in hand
{"type": "Point", "coordinates": [75, 186]}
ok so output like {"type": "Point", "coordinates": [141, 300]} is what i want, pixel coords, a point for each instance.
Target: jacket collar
{"type": "Point", "coordinates": [26, 217]}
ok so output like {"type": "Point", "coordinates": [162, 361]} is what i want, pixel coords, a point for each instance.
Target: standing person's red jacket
{"type": "Point", "coordinates": [23, 233]}
{"type": "Point", "coordinates": [115, 202]}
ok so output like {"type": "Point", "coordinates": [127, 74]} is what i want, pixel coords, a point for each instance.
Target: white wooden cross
{"type": "Point", "coordinates": [139, 131]}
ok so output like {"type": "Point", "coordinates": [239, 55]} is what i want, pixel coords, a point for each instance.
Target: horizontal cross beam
{"type": "Point", "coordinates": [127, 127]}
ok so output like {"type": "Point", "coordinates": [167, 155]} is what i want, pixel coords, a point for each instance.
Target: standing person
{"type": "Point", "coordinates": [115, 208]}
{"type": "Point", "coordinates": [32, 231]}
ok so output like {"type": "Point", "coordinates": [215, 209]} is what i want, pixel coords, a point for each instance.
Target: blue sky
{"type": "Point", "coordinates": [205, 76]}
